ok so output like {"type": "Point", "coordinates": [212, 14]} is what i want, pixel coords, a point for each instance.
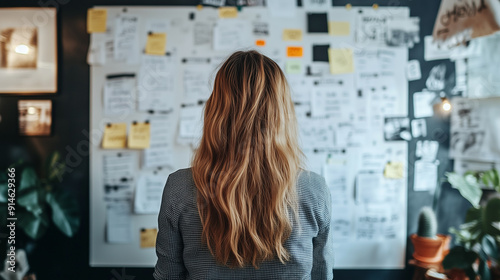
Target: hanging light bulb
{"type": "Point", "coordinates": [445, 104]}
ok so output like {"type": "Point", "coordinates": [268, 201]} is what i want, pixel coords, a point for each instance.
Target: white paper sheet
{"type": "Point", "coordinates": [97, 50]}
{"type": "Point", "coordinates": [155, 84]}
{"type": "Point", "coordinates": [427, 150]}
{"type": "Point", "coordinates": [160, 152]}
{"type": "Point", "coordinates": [232, 34]}
{"type": "Point", "coordinates": [190, 124]}
{"type": "Point", "coordinates": [197, 83]}
{"type": "Point", "coordinates": [316, 5]}
{"type": "Point", "coordinates": [422, 104]}
{"type": "Point", "coordinates": [126, 38]}
{"type": "Point", "coordinates": [432, 51]}
{"type": "Point", "coordinates": [282, 8]}
{"type": "Point", "coordinates": [148, 194]}
{"type": "Point", "coordinates": [118, 222]}
{"type": "Point", "coordinates": [425, 176]}
{"type": "Point", "coordinates": [413, 71]}
{"type": "Point", "coordinates": [119, 95]}
{"type": "Point", "coordinates": [119, 167]}
{"type": "Point", "coordinates": [418, 128]}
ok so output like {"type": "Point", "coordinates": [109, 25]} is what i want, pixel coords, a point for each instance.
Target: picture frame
{"type": "Point", "coordinates": [28, 51]}
{"type": "Point", "coordinates": [35, 117]}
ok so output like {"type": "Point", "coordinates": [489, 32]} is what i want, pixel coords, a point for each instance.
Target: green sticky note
{"type": "Point", "coordinates": [293, 67]}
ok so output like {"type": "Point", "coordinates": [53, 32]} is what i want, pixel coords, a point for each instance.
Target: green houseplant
{"type": "Point", "coordinates": [477, 252]}
{"type": "Point", "coordinates": [39, 201]}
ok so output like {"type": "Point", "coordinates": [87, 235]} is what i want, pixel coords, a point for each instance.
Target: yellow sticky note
{"type": "Point", "coordinates": [96, 20]}
{"type": "Point", "coordinates": [293, 67]}
{"type": "Point", "coordinates": [292, 35]}
{"type": "Point", "coordinates": [341, 61]}
{"type": "Point", "coordinates": [339, 28]}
{"type": "Point", "coordinates": [228, 12]}
{"type": "Point", "coordinates": [394, 170]}
{"type": "Point", "coordinates": [115, 136]}
{"type": "Point", "coordinates": [294, 51]}
{"type": "Point", "coordinates": [139, 136]}
{"type": "Point", "coordinates": [148, 237]}
{"type": "Point", "coordinates": [156, 43]}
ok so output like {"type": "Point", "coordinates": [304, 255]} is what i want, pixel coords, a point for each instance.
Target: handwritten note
{"type": "Point", "coordinates": [292, 35]}
{"type": "Point", "coordinates": [115, 136]}
{"type": "Point", "coordinates": [228, 12]}
{"type": "Point", "coordinates": [341, 61]}
{"type": "Point", "coordinates": [294, 51]}
{"type": "Point", "coordinates": [339, 28]}
{"type": "Point", "coordinates": [96, 20]}
{"type": "Point", "coordinates": [118, 222]}
{"type": "Point", "coordinates": [139, 136]}
{"type": "Point", "coordinates": [148, 237]}
{"type": "Point", "coordinates": [160, 151]}
{"type": "Point", "coordinates": [155, 83]}
{"type": "Point", "coordinates": [156, 43]}
{"type": "Point", "coordinates": [126, 38]}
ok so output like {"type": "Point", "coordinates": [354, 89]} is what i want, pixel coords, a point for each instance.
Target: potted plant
{"type": "Point", "coordinates": [430, 247]}
{"type": "Point", "coordinates": [37, 202]}
{"type": "Point", "coordinates": [478, 239]}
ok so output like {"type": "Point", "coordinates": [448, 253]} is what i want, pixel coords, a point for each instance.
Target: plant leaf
{"type": "Point", "coordinates": [459, 257]}
{"type": "Point", "coordinates": [28, 179]}
{"type": "Point", "coordinates": [64, 212]}
{"type": "Point", "coordinates": [491, 214]}
{"type": "Point", "coordinates": [490, 246]}
{"type": "Point", "coordinates": [484, 271]}
{"type": "Point", "coordinates": [473, 215]}
{"type": "Point", "coordinates": [53, 168]}
{"type": "Point", "coordinates": [467, 186]}
{"type": "Point", "coordinates": [33, 226]}
{"type": "Point", "coordinates": [495, 178]}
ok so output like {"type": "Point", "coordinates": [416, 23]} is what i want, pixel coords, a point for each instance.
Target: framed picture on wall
{"type": "Point", "coordinates": [28, 51]}
{"type": "Point", "coordinates": [35, 117]}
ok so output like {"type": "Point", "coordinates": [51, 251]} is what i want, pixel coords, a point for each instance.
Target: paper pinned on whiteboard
{"type": "Point", "coordinates": [282, 8]}
{"type": "Point", "coordinates": [316, 5]}
{"type": "Point", "coordinates": [118, 222]}
{"type": "Point", "coordinates": [148, 194]}
{"type": "Point", "coordinates": [126, 38]}
{"type": "Point", "coordinates": [231, 34]}
{"type": "Point", "coordinates": [155, 84]}
{"type": "Point", "coordinates": [427, 150]}
{"type": "Point", "coordinates": [160, 151]}
{"type": "Point", "coordinates": [119, 94]}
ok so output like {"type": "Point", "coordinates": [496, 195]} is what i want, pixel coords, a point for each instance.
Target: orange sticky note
{"type": "Point", "coordinates": [292, 35]}
{"type": "Point", "coordinates": [294, 51]}
{"type": "Point", "coordinates": [156, 43]}
{"type": "Point", "coordinates": [228, 12]}
{"type": "Point", "coordinates": [115, 136]}
{"type": "Point", "coordinates": [260, 43]}
{"type": "Point", "coordinates": [96, 20]}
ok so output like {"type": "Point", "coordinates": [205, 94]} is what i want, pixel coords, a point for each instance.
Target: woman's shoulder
{"type": "Point", "coordinates": [312, 184]}
{"type": "Point", "coordinates": [180, 184]}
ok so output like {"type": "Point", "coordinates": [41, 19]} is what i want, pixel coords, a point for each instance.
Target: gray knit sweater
{"type": "Point", "coordinates": [181, 255]}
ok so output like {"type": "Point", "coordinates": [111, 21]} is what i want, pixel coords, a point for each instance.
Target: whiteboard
{"type": "Point", "coordinates": [355, 254]}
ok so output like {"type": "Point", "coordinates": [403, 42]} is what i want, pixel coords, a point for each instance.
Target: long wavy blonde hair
{"type": "Point", "coordinates": [247, 163]}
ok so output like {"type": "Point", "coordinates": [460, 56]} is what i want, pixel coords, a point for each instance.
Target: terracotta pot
{"type": "Point", "coordinates": [430, 250]}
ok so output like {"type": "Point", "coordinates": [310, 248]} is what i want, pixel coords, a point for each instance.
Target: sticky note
{"type": "Point", "coordinates": [293, 67]}
{"type": "Point", "coordinates": [139, 136]}
{"type": "Point", "coordinates": [260, 43]}
{"type": "Point", "coordinates": [228, 12]}
{"type": "Point", "coordinates": [115, 136]}
{"type": "Point", "coordinates": [339, 28]}
{"type": "Point", "coordinates": [292, 35]}
{"type": "Point", "coordinates": [394, 170]}
{"type": "Point", "coordinates": [341, 61]}
{"type": "Point", "coordinates": [148, 237]}
{"type": "Point", "coordinates": [156, 43]}
{"type": "Point", "coordinates": [96, 20]}
{"type": "Point", "coordinates": [294, 51]}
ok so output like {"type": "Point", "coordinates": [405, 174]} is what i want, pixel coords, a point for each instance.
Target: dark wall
{"type": "Point", "coordinates": [58, 257]}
